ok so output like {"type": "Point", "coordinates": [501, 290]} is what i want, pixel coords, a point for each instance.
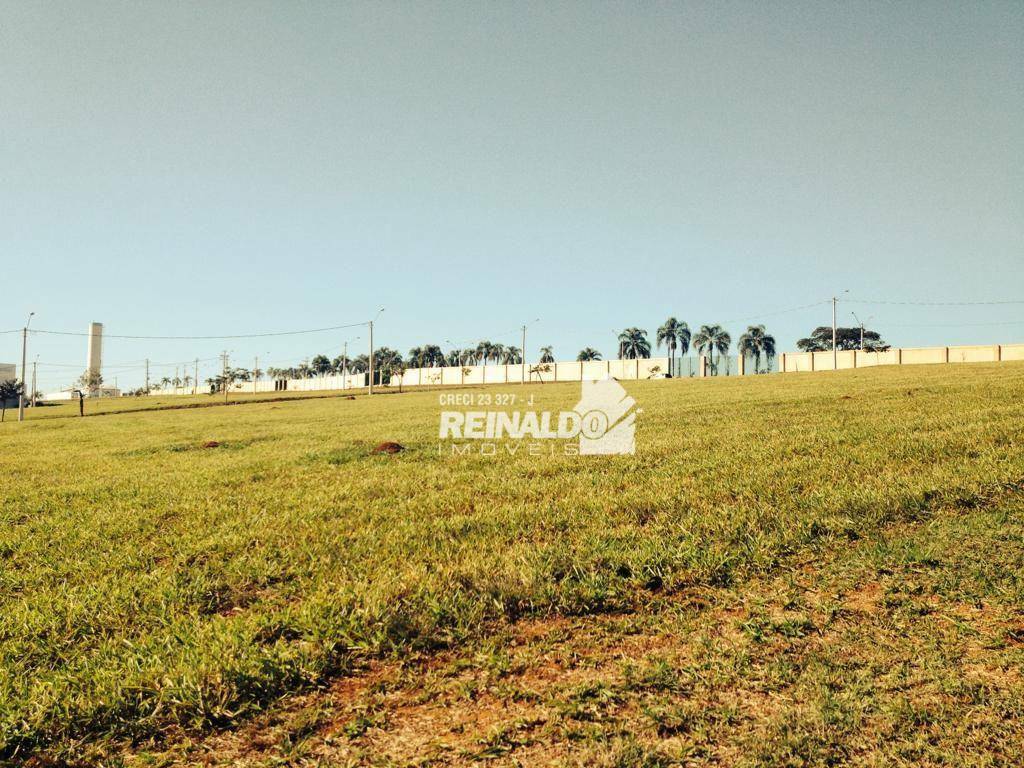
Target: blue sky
{"type": "Point", "coordinates": [224, 168]}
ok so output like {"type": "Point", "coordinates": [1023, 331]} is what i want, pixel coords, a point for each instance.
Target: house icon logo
{"type": "Point", "coordinates": [607, 419]}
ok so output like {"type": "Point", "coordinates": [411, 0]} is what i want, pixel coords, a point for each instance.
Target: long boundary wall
{"type": "Point", "coordinates": [648, 368]}
{"type": "Point", "coordinates": [794, 362]}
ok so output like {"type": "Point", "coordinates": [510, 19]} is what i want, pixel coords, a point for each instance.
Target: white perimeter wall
{"type": "Point", "coordinates": [537, 372]}
{"type": "Point", "coordinates": [790, 362]}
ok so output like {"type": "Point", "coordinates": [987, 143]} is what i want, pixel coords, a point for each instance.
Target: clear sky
{"type": "Point", "coordinates": [189, 168]}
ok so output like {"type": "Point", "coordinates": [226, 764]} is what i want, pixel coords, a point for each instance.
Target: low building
{"type": "Point", "coordinates": [72, 394]}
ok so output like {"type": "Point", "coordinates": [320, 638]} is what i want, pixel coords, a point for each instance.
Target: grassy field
{"type": "Point", "coordinates": [806, 569]}
{"type": "Point", "coordinates": [110, 405]}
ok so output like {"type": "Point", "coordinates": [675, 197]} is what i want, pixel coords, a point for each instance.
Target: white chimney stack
{"type": "Point", "coordinates": [94, 362]}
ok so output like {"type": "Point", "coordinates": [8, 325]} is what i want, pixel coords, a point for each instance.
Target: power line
{"type": "Point", "coordinates": [776, 312]}
{"type": "Point", "coordinates": [935, 303]}
{"type": "Point", "coordinates": [950, 325]}
{"type": "Point", "coordinates": [206, 338]}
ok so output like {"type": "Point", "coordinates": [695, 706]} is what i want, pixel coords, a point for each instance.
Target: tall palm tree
{"type": "Point", "coordinates": [433, 356]}
{"type": "Point", "coordinates": [587, 354]}
{"type": "Point", "coordinates": [671, 333]}
{"type": "Point", "coordinates": [497, 352]}
{"type": "Point", "coordinates": [683, 337]}
{"type": "Point", "coordinates": [512, 356]}
{"type": "Point", "coordinates": [547, 355]}
{"type": "Point", "coordinates": [756, 342]}
{"type": "Point", "coordinates": [321, 365]}
{"type": "Point", "coordinates": [634, 344]}
{"type": "Point", "coordinates": [416, 357]}
{"type": "Point", "coordinates": [711, 338]}
{"type": "Point", "coordinates": [385, 360]}
{"type": "Point", "coordinates": [484, 350]}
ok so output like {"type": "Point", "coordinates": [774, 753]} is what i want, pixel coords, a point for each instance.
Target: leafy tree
{"type": "Point", "coordinates": [634, 344]}
{"type": "Point", "coordinates": [711, 338]}
{"type": "Point", "coordinates": [547, 355]}
{"type": "Point", "coordinates": [397, 369]}
{"type": "Point", "coordinates": [820, 340]}
{"type": "Point", "coordinates": [224, 380]}
{"type": "Point", "coordinates": [91, 381]}
{"type": "Point", "coordinates": [587, 354]}
{"type": "Point", "coordinates": [756, 342]}
{"type": "Point", "coordinates": [9, 390]}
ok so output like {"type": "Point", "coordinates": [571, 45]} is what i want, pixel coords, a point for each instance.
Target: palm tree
{"type": "Point", "coordinates": [711, 338]}
{"type": "Point", "coordinates": [756, 342]}
{"type": "Point", "coordinates": [588, 353]}
{"type": "Point", "coordinates": [321, 365]}
{"type": "Point", "coordinates": [416, 357]}
{"type": "Point", "coordinates": [340, 364]}
{"type": "Point", "coordinates": [483, 351]}
{"type": "Point", "coordinates": [433, 356]}
{"type": "Point", "coordinates": [671, 333]}
{"type": "Point", "coordinates": [547, 355]}
{"type": "Point", "coordinates": [385, 360]}
{"type": "Point", "coordinates": [634, 344]}
{"type": "Point", "coordinates": [512, 356]}
{"type": "Point", "coordinates": [498, 352]}
{"type": "Point", "coordinates": [683, 337]}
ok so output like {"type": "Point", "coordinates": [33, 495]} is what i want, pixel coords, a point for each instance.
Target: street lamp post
{"type": "Point", "coordinates": [369, 390]}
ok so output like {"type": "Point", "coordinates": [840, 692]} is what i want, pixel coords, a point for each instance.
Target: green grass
{"type": "Point", "coordinates": [112, 405]}
{"type": "Point", "coordinates": [146, 582]}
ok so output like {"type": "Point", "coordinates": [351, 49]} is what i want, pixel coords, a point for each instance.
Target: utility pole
{"type": "Point", "coordinates": [195, 378]}
{"type": "Point", "coordinates": [255, 369]}
{"type": "Point", "coordinates": [835, 352]}
{"type": "Point", "coordinates": [344, 366]}
{"type": "Point", "coordinates": [370, 390]}
{"type": "Point", "coordinates": [523, 363]}
{"type": "Point", "coordinates": [535, 320]}
{"type": "Point", "coordinates": [24, 352]}
{"type": "Point", "coordinates": [147, 375]}
{"type": "Point", "coordinates": [224, 373]}
{"type": "Point", "coordinates": [33, 393]}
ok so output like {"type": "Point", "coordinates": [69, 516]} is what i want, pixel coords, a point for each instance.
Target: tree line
{"type": "Point", "coordinates": [674, 335]}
